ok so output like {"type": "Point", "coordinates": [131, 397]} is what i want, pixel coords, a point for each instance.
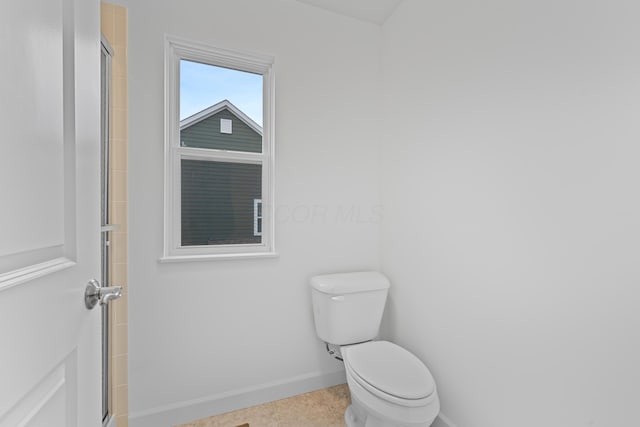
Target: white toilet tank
{"type": "Point", "coordinates": [348, 307]}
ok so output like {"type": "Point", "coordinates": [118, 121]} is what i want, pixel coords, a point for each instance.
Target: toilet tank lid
{"type": "Point", "coordinates": [348, 283]}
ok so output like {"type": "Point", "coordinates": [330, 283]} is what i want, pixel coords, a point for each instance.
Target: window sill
{"type": "Point", "coordinates": [217, 257]}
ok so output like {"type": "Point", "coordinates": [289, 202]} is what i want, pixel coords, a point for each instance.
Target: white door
{"type": "Point", "coordinates": [49, 213]}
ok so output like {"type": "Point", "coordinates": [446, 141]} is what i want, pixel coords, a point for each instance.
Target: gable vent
{"type": "Point", "coordinates": [226, 126]}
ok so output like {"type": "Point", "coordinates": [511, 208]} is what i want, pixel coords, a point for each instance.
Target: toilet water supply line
{"type": "Point", "coordinates": [335, 352]}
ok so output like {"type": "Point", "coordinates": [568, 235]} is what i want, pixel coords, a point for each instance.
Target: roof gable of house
{"type": "Point", "coordinates": [222, 126]}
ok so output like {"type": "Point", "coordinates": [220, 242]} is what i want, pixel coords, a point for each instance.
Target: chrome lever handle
{"type": "Point", "coordinates": [95, 293]}
{"type": "Point", "coordinates": [109, 294]}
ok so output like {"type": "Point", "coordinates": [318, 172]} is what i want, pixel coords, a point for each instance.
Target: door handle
{"type": "Point", "coordinates": [95, 293]}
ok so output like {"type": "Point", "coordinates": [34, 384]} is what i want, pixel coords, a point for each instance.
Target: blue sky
{"type": "Point", "coordinates": [203, 85]}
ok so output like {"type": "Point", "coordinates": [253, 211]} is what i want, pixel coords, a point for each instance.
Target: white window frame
{"type": "Point", "coordinates": [177, 49]}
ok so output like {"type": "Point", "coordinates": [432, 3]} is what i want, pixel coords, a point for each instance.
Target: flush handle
{"type": "Point", "coordinates": [338, 298]}
{"type": "Point", "coordinates": [94, 294]}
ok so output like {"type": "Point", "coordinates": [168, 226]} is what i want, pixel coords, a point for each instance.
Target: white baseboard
{"type": "Point", "coordinates": [183, 412]}
{"type": "Point", "coordinates": [443, 421]}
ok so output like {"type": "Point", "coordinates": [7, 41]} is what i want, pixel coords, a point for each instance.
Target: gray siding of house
{"type": "Point", "coordinates": [217, 202]}
{"type": "Point", "coordinates": [206, 134]}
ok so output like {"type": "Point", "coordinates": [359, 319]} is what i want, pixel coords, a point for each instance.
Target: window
{"type": "Point", "coordinates": [257, 217]}
{"type": "Point", "coordinates": [218, 153]}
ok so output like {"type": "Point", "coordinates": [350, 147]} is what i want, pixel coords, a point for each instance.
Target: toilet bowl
{"type": "Point", "coordinates": [389, 386]}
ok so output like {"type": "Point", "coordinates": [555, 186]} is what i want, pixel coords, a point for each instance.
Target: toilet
{"type": "Point", "coordinates": [389, 386]}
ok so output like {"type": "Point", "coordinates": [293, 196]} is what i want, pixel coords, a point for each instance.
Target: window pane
{"type": "Point", "coordinates": [218, 202]}
{"type": "Point", "coordinates": [220, 108]}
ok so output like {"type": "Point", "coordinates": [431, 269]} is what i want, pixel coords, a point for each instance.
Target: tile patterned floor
{"type": "Point", "coordinates": [322, 408]}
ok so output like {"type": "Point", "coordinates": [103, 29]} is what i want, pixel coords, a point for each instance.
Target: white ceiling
{"type": "Point", "coordinates": [375, 11]}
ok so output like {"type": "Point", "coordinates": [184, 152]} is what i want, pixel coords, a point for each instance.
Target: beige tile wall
{"type": "Point", "coordinates": [114, 29]}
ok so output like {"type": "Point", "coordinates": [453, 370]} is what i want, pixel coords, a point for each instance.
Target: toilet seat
{"type": "Point", "coordinates": [390, 372]}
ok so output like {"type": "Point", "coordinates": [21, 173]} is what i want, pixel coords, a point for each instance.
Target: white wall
{"type": "Point", "coordinates": [510, 187]}
{"type": "Point", "coordinates": [204, 330]}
